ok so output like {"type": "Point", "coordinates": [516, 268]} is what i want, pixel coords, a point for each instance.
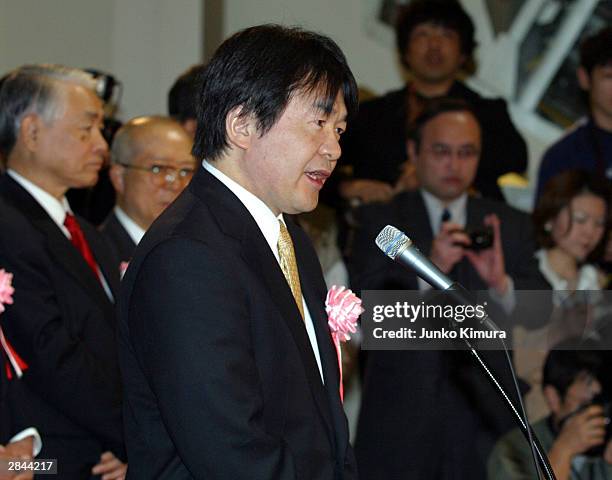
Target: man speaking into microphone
{"type": "Point", "coordinates": [432, 414]}
{"type": "Point", "coordinates": [228, 366]}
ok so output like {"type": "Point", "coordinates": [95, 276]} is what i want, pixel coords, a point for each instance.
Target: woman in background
{"type": "Point", "coordinates": [571, 220]}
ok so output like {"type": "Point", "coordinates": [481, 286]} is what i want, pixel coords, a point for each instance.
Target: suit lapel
{"type": "Point", "coordinates": [60, 248]}
{"type": "Point", "coordinates": [108, 263]}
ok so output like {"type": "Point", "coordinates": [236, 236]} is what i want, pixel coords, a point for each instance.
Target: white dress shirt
{"type": "Point", "coordinates": [270, 228]}
{"type": "Point", "coordinates": [135, 231]}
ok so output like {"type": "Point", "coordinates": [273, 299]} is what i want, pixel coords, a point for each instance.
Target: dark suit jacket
{"type": "Point", "coordinates": [219, 375]}
{"type": "Point", "coordinates": [63, 325]}
{"type": "Point", "coordinates": [375, 143]}
{"type": "Point", "coordinates": [433, 414]}
{"type": "Point", "coordinates": [118, 237]}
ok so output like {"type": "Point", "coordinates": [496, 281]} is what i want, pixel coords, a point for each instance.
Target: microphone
{"type": "Point", "coordinates": [398, 247]}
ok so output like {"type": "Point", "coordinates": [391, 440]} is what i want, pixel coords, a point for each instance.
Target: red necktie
{"type": "Point", "coordinates": [78, 240]}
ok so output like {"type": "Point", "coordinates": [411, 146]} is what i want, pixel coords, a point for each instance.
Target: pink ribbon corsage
{"type": "Point", "coordinates": [343, 308]}
{"type": "Point", "coordinates": [123, 266]}
{"type": "Point", "coordinates": [6, 298]}
{"type": "Point", "coordinates": [6, 289]}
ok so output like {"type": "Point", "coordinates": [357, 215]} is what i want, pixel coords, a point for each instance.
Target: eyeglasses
{"type": "Point", "coordinates": [164, 173]}
{"type": "Point", "coordinates": [444, 152]}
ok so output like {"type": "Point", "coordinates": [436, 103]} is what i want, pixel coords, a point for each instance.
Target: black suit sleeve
{"type": "Point", "coordinates": [189, 323]}
{"type": "Point", "coordinates": [64, 371]}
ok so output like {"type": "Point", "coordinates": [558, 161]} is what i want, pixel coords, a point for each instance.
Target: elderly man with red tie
{"type": "Point", "coordinates": [62, 321]}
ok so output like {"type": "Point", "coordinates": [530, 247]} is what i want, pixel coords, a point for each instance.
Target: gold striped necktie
{"type": "Point", "coordinates": [288, 265]}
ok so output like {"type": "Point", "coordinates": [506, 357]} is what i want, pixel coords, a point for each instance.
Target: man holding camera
{"type": "Point", "coordinates": [575, 435]}
{"type": "Point", "coordinates": [438, 401]}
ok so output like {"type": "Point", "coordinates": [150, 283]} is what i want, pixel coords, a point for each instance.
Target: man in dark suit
{"type": "Point", "coordinates": [432, 414]}
{"type": "Point", "coordinates": [435, 41]}
{"type": "Point", "coordinates": [62, 321]}
{"type": "Point", "coordinates": [227, 361]}
{"type": "Point", "coordinates": [151, 164]}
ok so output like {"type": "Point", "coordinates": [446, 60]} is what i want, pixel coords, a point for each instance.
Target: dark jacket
{"type": "Point", "coordinates": [220, 378]}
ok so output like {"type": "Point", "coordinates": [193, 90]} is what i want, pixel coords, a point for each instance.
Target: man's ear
{"type": "Point", "coordinates": [29, 131]}
{"type": "Point", "coordinates": [584, 79]}
{"type": "Point", "coordinates": [116, 174]}
{"type": "Point", "coordinates": [552, 397]}
{"type": "Point", "coordinates": [240, 129]}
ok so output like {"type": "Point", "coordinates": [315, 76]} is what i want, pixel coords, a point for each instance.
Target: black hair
{"type": "Point", "coordinates": [565, 363]}
{"type": "Point", "coordinates": [260, 69]}
{"type": "Point", "coordinates": [433, 108]}
{"type": "Point", "coordinates": [596, 50]}
{"type": "Point", "coordinates": [182, 97]}
{"type": "Point", "coordinates": [558, 194]}
{"type": "Point", "coordinates": [446, 13]}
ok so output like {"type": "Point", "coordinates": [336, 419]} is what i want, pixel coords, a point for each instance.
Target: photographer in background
{"type": "Point", "coordinates": [576, 425]}
{"type": "Point", "coordinates": [419, 402]}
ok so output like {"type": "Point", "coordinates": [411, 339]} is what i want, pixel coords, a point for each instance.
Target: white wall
{"type": "Point", "coordinates": [144, 43]}
{"type": "Point", "coordinates": [373, 64]}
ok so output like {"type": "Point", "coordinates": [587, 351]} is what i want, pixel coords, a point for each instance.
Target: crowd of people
{"type": "Point", "coordinates": [159, 337]}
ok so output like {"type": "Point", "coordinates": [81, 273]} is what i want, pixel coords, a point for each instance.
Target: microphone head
{"type": "Point", "coordinates": [391, 241]}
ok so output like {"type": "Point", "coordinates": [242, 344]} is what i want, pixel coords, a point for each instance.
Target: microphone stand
{"type": "Point", "coordinates": [540, 455]}
{"type": "Point", "coordinates": [458, 291]}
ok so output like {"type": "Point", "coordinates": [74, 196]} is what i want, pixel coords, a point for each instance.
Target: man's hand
{"type": "Point", "coordinates": [110, 467]}
{"type": "Point", "coordinates": [489, 263]}
{"type": "Point", "coordinates": [582, 431]}
{"type": "Point", "coordinates": [21, 450]}
{"type": "Point", "coordinates": [448, 247]}
{"type": "Point", "coordinates": [367, 191]}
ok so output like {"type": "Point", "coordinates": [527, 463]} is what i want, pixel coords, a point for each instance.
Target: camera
{"type": "Point", "coordinates": [481, 238]}
{"type": "Point", "coordinates": [598, 450]}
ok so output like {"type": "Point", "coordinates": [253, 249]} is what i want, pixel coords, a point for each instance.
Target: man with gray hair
{"type": "Point", "coordinates": [151, 164]}
{"type": "Point", "coordinates": [65, 276]}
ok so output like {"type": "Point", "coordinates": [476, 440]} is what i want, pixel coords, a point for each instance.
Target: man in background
{"type": "Point", "coordinates": [577, 422]}
{"type": "Point", "coordinates": [435, 40]}
{"type": "Point", "coordinates": [432, 414]}
{"type": "Point", "coordinates": [588, 144]}
{"type": "Point", "coordinates": [151, 164]}
{"type": "Point", "coordinates": [62, 321]}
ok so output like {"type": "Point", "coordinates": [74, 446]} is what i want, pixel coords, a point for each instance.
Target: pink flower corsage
{"type": "Point", "coordinates": [6, 289]}
{"type": "Point", "coordinates": [343, 308]}
{"type": "Point", "coordinates": [6, 298]}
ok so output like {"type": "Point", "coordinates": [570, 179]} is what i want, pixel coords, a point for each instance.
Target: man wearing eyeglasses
{"type": "Point", "coordinates": [151, 164]}
{"type": "Point", "coordinates": [439, 401]}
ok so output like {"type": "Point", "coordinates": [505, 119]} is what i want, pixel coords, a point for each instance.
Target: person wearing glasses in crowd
{"type": "Point", "coordinates": [437, 405]}
{"type": "Point", "coordinates": [151, 164]}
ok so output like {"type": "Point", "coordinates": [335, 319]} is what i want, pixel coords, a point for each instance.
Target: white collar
{"type": "Point", "coordinates": [135, 231]}
{"type": "Point", "coordinates": [55, 208]}
{"type": "Point", "coordinates": [261, 213]}
{"type": "Point", "coordinates": [588, 278]}
{"type": "Point", "coordinates": [434, 206]}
